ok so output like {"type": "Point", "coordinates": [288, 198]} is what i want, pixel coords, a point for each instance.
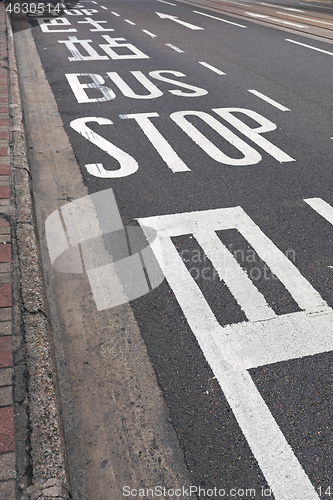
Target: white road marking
{"type": "Point", "coordinates": [115, 14]}
{"type": "Point", "coordinates": [309, 47]}
{"type": "Point", "coordinates": [289, 8]}
{"type": "Point", "coordinates": [127, 164]}
{"type": "Point", "coordinates": [279, 6]}
{"type": "Point", "coordinates": [322, 208]}
{"type": "Point", "coordinates": [262, 16]}
{"type": "Point", "coordinates": [242, 4]}
{"type": "Point", "coordinates": [317, 6]}
{"type": "Point", "coordinates": [209, 66]}
{"type": "Point", "coordinates": [269, 100]}
{"type": "Point", "coordinates": [177, 49]}
{"type": "Point", "coordinates": [231, 350]}
{"type": "Point", "coordinates": [176, 20]}
{"type": "Point", "coordinates": [305, 18]}
{"type": "Point", "coordinates": [149, 33]}
{"type": "Point", "coordinates": [105, 8]}
{"type": "Point", "coordinates": [236, 279]}
{"type": "Point", "coordinates": [93, 1]}
{"type": "Point", "coordinates": [161, 145]}
{"type": "Point", "coordinates": [219, 19]}
{"type": "Point", "coordinates": [169, 3]}
{"type": "Point", "coordinates": [129, 22]}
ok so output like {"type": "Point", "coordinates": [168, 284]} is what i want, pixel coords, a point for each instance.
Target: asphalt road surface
{"type": "Point", "coordinates": [194, 353]}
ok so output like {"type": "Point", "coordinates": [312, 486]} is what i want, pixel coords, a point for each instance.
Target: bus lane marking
{"type": "Point", "coordinates": [266, 338]}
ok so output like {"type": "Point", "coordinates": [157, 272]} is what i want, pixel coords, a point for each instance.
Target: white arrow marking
{"type": "Point", "coordinates": [175, 18]}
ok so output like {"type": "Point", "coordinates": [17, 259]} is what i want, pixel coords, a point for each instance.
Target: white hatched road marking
{"type": "Point", "coordinates": [269, 100]}
{"type": "Point", "coordinates": [266, 338]}
{"type": "Point", "coordinates": [322, 207]}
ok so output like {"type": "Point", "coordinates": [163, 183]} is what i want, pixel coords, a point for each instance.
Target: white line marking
{"type": "Point", "coordinates": [219, 19]}
{"type": "Point", "coordinates": [236, 279]}
{"type": "Point", "coordinates": [310, 47]}
{"type": "Point", "coordinates": [242, 4]}
{"type": "Point", "coordinates": [179, 21]}
{"type": "Point", "coordinates": [93, 1]}
{"type": "Point", "coordinates": [129, 22]}
{"type": "Point", "coordinates": [105, 8]}
{"type": "Point", "coordinates": [149, 33]}
{"type": "Point", "coordinates": [322, 208]}
{"type": "Point", "coordinates": [281, 339]}
{"type": "Point", "coordinates": [317, 6]}
{"type": "Point", "coordinates": [269, 100]}
{"type": "Point", "coordinates": [262, 16]}
{"type": "Point", "coordinates": [174, 47]}
{"type": "Point", "coordinates": [280, 7]}
{"type": "Point", "coordinates": [305, 18]}
{"type": "Point", "coordinates": [169, 3]}
{"type": "Point", "coordinates": [289, 8]}
{"type": "Point", "coordinates": [168, 154]}
{"type": "Point", "coordinates": [209, 66]}
{"type": "Point", "coordinates": [230, 359]}
{"type": "Point", "coordinates": [115, 14]}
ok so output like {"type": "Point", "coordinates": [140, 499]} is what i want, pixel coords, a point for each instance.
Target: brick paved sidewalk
{"type": "Point", "coordinates": [7, 438]}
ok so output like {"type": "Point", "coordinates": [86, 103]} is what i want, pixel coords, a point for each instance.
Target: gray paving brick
{"type": "Point", "coordinates": [7, 490]}
{"type": "Point", "coordinates": [7, 467]}
{"type": "Point", "coordinates": [6, 396]}
{"type": "Point", "coordinates": [6, 375]}
{"type": "Point", "coordinates": [5, 328]}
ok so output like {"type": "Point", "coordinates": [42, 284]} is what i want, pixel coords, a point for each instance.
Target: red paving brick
{"type": "Point", "coordinates": [4, 223]}
{"type": "Point", "coordinates": [4, 135]}
{"type": "Point", "coordinates": [4, 192]}
{"type": "Point", "coordinates": [6, 357]}
{"type": "Point", "coordinates": [4, 169]}
{"type": "Point", "coordinates": [5, 295]}
{"type": "Point", "coordinates": [4, 151]}
{"type": "Point", "coordinates": [7, 438]}
{"type": "Point", "coordinates": [5, 252]}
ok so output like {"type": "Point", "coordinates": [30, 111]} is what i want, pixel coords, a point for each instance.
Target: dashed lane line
{"type": "Point", "coordinates": [219, 19]}
{"type": "Point", "coordinates": [212, 68]}
{"type": "Point", "coordinates": [310, 47]}
{"type": "Point", "coordinates": [274, 19]}
{"type": "Point", "coordinates": [149, 33]}
{"type": "Point", "coordinates": [269, 100]}
{"type": "Point", "coordinates": [305, 18]}
{"type": "Point", "coordinates": [169, 3]}
{"type": "Point", "coordinates": [177, 49]}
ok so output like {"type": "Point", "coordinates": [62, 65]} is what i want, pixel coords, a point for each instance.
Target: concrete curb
{"type": "Point", "coordinates": [45, 464]}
